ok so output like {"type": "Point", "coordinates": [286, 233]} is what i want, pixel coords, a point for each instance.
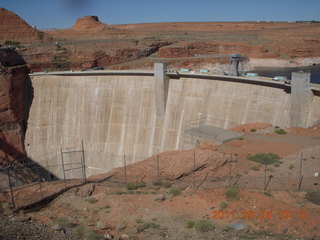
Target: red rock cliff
{"type": "Point", "coordinates": [13, 28]}
{"type": "Point", "coordinates": [13, 103]}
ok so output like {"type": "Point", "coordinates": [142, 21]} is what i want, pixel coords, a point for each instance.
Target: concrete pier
{"type": "Point", "coordinates": [300, 99]}
{"type": "Point", "coordinates": [161, 88]}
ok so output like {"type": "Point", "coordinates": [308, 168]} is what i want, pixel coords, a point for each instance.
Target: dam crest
{"type": "Point", "coordinates": [142, 113]}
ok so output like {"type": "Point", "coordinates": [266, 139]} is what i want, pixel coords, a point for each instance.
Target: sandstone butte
{"type": "Point", "coordinates": [89, 23]}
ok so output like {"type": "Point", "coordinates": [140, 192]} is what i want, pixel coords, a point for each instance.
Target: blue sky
{"type": "Point", "coordinates": [63, 13]}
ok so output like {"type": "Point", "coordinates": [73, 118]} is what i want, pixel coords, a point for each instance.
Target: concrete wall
{"type": "Point", "coordinates": [117, 114]}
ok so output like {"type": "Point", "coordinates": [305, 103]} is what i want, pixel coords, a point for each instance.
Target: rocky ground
{"type": "Point", "coordinates": [18, 228]}
{"type": "Point", "coordinates": [144, 208]}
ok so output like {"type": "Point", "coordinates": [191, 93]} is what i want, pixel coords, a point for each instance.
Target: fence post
{"type": "Point", "coordinates": [158, 168]}
{"type": "Point", "coordinates": [300, 172]}
{"type": "Point", "coordinates": [265, 176]}
{"type": "Point", "coordinates": [64, 173]}
{"type": "Point", "coordinates": [300, 182]}
{"type": "Point", "coordinates": [194, 168]}
{"type": "Point", "coordinates": [265, 187]}
{"type": "Point", "coordinates": [230, 169]}
{"type": "Point", "coordinates": [125, 168]}
{"type": "Point", "coordinates": [10, 185]}
{"type": "Point", "coordinates": [83, 163]}
{"type": "Point", "coordinates": [39, 179]}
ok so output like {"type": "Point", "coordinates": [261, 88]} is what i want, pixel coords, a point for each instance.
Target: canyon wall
{"type": "Point", "coordinates": [117, 114]}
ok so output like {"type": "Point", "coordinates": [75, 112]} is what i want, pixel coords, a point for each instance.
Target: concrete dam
{"type": "Point", "coordinates": [141, 113]}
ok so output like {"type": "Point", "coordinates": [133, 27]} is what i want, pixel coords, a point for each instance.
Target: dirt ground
{"type": "Point", "coordinates": [148, 209]}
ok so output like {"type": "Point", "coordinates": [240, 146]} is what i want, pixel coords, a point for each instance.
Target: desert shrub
{"type": "Point", "coordinates": [313, 196]}
{"type": "Point", "coordinates": [269, 194]}
{"type": "Point", "coordinates": [276, 164]}
{"type": "Point", "coordinates": [280, 131]}
{"type": "Point", "coordinates": [166, 184]}
{"type": "Point", "coordinates": [157, 183]}
{"type": "Point", "coordinates": [132, 186]}
{"type": "Point", "coordinates": [6, 209]}
{"type": "Point", "coordinates": [223, 205]}
{"type": "Point", "coordinates": [291, 166]}
{"type": "Point", "coordinates": [203, 226]}
{"type": "Point", "coordinates": [175, 191]}
{"type": "Point", "coordinates": [190, 224]}
{"type": "Point", "coordinates": [265, 158]}
{"type": "Point", "coordinates": [61, 222]}
{"type": "Point", "coordinates": [143, 226]}
{"type": "Point", "coordinates": [253, 130]}
{"type": "Point", "coordinates": [255, 168]}
{"type": "Point", "coordinates": [139, 220]}
{"type": "Point", "coordinates": [232, 193]}
{"type": "Point", "coordinates": [8, 42]}
{"type": "Point", "coordinates": [141, 184]}
{"type": "Point", "coordinates": [91, 200]}
{"type": "Point", "coordinates": [91, 235]}
{"type": "Point", "coordinates": [240, 138]}
{"type": "Point", "coordinates": [270, 169]}
{"type": "Point", "coordinates": [79, 231]}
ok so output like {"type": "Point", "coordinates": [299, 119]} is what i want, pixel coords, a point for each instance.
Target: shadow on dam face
{"type": "Point", "coordinates": [116, 114]}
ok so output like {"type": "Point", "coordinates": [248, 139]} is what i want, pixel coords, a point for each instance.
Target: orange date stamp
{"type": "Point", "coordinates": [260, 214]}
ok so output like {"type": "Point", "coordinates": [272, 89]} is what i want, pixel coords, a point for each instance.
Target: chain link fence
{"type": "Point", "coordinates": [229, 172]}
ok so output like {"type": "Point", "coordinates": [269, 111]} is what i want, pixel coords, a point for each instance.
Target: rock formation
{"type": "Point", "coordinates": [14, 102]}
{"type": "Point", "coordinates": [89, 23]}
{"type": "Point", "coordinates": [13, 80]}
{"type": "Point", "coordinates": [14, 28]}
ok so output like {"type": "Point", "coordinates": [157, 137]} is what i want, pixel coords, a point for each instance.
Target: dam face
{"type": "Point", "coordinates": [118, 114]}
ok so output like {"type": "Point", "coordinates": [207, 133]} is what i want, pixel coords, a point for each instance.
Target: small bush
{"type": "Point", "coordinates": [223, 205]}
{"type": "Point", "coordinates": [157, 183]}
{"type": "Point", "coordinates": [291, 166]}
{"type": "Point", "coordinates": [91, 200]}
{"type": "Point", "coordinates": [265, 158]}
{"type": "Point", "coordinates": [132, 186]}
{"type": "Point", "coordinates": [232, 193]}
{"type": "Point", "coordinates": [203, 226]}
{"type": "Point", "coordinates": [269, 194]}
{"type": "Point", "coordinates": [175, 191]}
{"type": "Point", "coordinates": [253, 130]}
{"type": "Point", "coordinates": [255, 168]}
{"type": "Point", "coordinates": [91, 235]}
{"type": "Point", "coordinates": [240, 138]}
{"type": "Point", "coordinates": [79, 231]}
{"type": "Point", "coordinates": [143, 226]}
{"type": "Point", "coordinates": [313, 196]}
{"type": "Point", "coordinates": [280, 131]}
{"type": "Point", "coordinates": [8, 42]}
{"type": "Point", "coordinates": [166, 184]}
{"type": "Point", "coordinates": [276, 127]}
{"type": "Point", "coordinates": [141, 184]}
{"type": "Point", "coordinates": [277, 164]}
{"type": "Point", "coordinates": [61, 222]}
{"type": "Point", "coordinates": [139, 220]}
{"type": "Point", "coordinates": [190, 224]}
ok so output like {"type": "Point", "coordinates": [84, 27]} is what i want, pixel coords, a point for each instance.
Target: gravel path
{"type": "Point", "coordinates": [17, 229]}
